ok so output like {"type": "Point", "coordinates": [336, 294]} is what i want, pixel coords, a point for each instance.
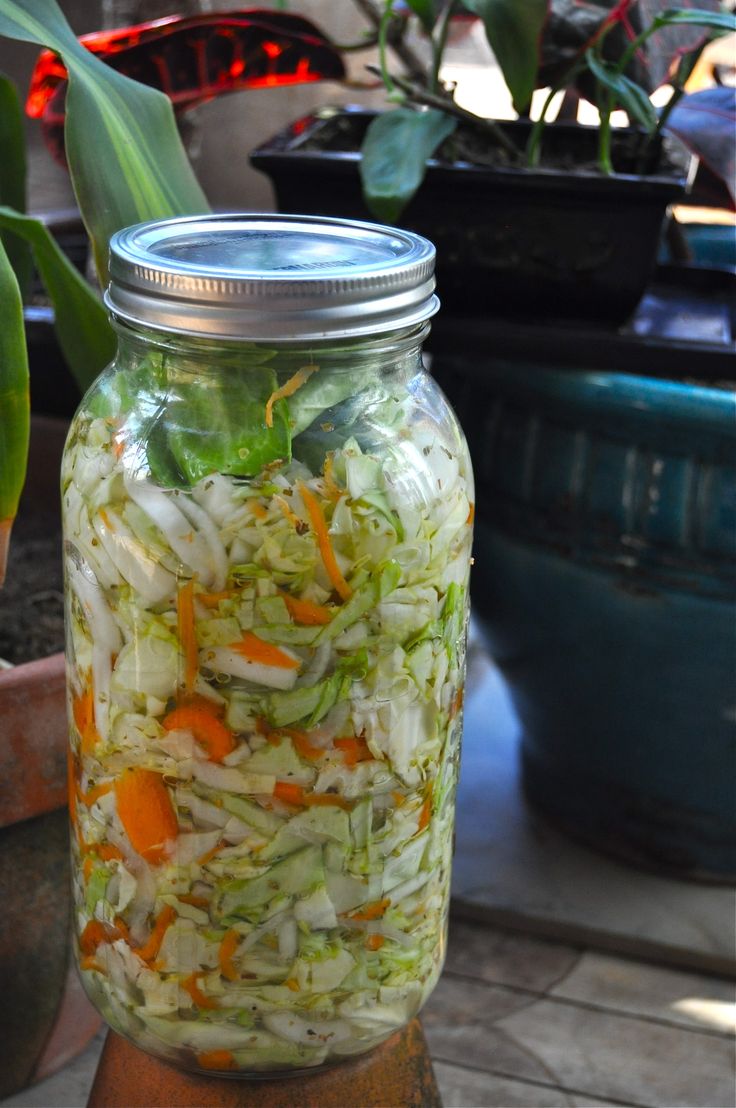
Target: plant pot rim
{"type": "Point", "coordinates": [287, 147]}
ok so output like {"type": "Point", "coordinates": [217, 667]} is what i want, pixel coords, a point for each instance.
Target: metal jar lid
{"type": "Point", "coordinates": [276, 277]}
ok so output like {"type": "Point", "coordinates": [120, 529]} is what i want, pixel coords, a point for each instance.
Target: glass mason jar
{"type": "Point", "coordinates": [268, 511]}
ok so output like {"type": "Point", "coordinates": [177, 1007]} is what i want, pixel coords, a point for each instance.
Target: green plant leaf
{"type": "Point", "coordinates": [394, 157]}
{"type": "Point", "coordinates": [425, 11]}
{"type": "Point", "coordinates": [716, 21]}
{"type": "Point", "coordinates": [125, 156]}
{"type": "Point", "coordinates": [514, 31]}
{"type": "Point", "coordinates": [630, 96]}
{"type": "Point", "coordinates": [13, 177]}
{"type": "Point", "coordinates": [14, 403]}
{"type": "Point", "coordinates": [85, 335]}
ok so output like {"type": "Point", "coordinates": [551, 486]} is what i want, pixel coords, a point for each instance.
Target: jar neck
{"type": "Point", "coordinates": [396, 352]}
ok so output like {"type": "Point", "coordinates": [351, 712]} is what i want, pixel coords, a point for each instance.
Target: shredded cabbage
{"type": "Point", "coordinates": [294, 696]}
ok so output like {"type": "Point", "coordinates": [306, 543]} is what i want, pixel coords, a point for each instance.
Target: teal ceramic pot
{"type": "Point", "coordinates": [606, 568]}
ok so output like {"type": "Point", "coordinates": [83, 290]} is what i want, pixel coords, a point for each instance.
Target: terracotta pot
{"type": "Point", "coordinates": [45, 1019]}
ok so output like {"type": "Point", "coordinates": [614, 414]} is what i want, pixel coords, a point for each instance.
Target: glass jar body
{"type": "Point", "coordinates": [267, 552]}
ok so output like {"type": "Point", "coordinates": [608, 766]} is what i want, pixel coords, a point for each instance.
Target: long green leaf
{"type": "Point", "coordinates": [716, 21]}
{"type": "Point", "coordinates": [125, 156]}
{"type": "Point", "coordinates": [13, 177]}
{"type": "Point", "coordinates": [425, 10]}
{"type": "Point", "coordinates": [14, 403]}
{"type": "Point", "coordinates": [632, 98]}
{"type": "Point", "coordinates": [514, 30]}
{"type": "Point", "coordinates": [85, 335]}
{"type": "Point", "coordinates": [394, 157]}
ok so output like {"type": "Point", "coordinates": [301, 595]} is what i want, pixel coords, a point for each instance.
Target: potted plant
{"type": "Point", "coordinates": [557, 220]}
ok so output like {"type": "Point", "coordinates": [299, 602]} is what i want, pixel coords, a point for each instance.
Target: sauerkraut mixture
{"type": "Point", "coordinates": [265, 669]}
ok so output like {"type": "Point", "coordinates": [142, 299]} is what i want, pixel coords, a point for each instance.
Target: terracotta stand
{"type": "Point", "coordinates": [397, 1074]}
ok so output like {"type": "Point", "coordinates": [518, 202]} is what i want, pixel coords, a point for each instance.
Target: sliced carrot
{"type": "Point", "coordinates": [212, 599]}
{"type": "Point", "coordinates": [353, 750]}
{"type": "Point", "coordinates": [305, 611]}
{"type": "Point", "coordinates": [332, 488]}
{"type": "Point", "coordinates": [457, 703]}
{"type": "Point", "coordinates": [107, 852]}
{"type": "Point", "coordinates": [87, 866]}
{"type": "Point", "coordinates": [398, 798]}
{"type": "Point", "coordinates": [294, 794]}
{"type": "Point", "coordinates": [106, 519]}
{"type": "Point", "coordinates": [257, 509]}
{"type": "Point", "coordinates": [200, 999]}
{"type": "Point", "coordinates": [290, 794]}
{"type": "Point", "coordinates": [323, 541]}
{"type": "Point", "coordinates": [83, 712]}
{"type": "Point", "coordinates": [372, 911]}
{"type": "Point", "coordinates": [257, 650]}
{"type": "Point", "coordinates": [426, 811]}
{"type": "Point", "coordinates": [94, 794]}
{"type": "Point", "coordinates": [122, 927]}
{"type": "Point", "coordinates": [302, 745]}
{"type": "Point", "coordinates": [228, 946]}
{"type": "Point", "coordinates": [291, 515]}
{"type": "Point", "coordinates": [146, 812]}
{"type": "Point", "coordinates": [96, 932]}
{"type": "Point", "coordinates": [288, 389]}
{"type": "Point", "coordinates": [209, 731]}
{"type": "Point", "coordinates": [195, 901]}
{"type": "Point", "coordinates": [293, 984]}
{"type": "Point", "coordinates": [211, 853]}
{"type": "Point", "coordinates": [89, 962]}
{"type": "Point", "coordinates": [151, 947]}
{"type": "Point", "coordinates": [471, 514]}
{"type": "Point", "coordinates": [374, 942]}
{"type": "Point", "coordinates": [196, 700]}
{"type": "Point", "coordinates": [217, 1060]}
{"type": "Point", "coordinates": [187, 633]}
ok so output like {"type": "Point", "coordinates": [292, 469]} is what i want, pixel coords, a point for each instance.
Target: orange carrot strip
{"type": "Point", "coordinates": [87, 867]}
{"type": "Point", "coordinates": [302, 744]}
{"type": "Point", "coordinates": [212, 599]}
{"type": "Point", "coordinates": [304, 611]}
{"type": "Point", "coordinates": [90, 963]}
{"type": "Point", "coordinates": [294, 794]}
{"type": "Point", "coordinates": [292, 517]}
{"type": "Point", "coordinates": [200, 999]}
{"type": "Point", "coordinates": [457, 703]}
{"type": "Point", "coordinates": [196, 700]}
{"type": "Point", "coordinates": [375, 942]}
{"type": "Point", "coordinates": [210, 854]}
{"type": "Point", "coordinates": [96, 932]}
{"type": "Point", "coordinates": [228, 946]}
{"type": "Point", "coordinates": [209, 731]}
{"type": "Point", "coordinates": [257, 509]}
{"type": "Point", "coordinates": [398, 798]}
{"type": "Point", "coordinates": [332, 488]}
{"type": "Point", "coordinates": [471, 514]}
{"type": "Point", "coordinates": [146, 812]}
{"type": "Point", "coordinates": [187, 633]}
{"type": "Point", "coordinates": [107, 852]}
{"type": "Point", "coordinates": [122, 927]}
{"type": "Point", "coordinates": [217, 1060]}
{"type": "Point", "coordinates": [292, 983]}
{"type": "Point", "coordinates": [353, 750]}
{"type": "Point", "coordinates": [195, 901]}
{"type": "Point", "coordinates": [257, 650]}
{"type": "Point", "coordinates": [83, 712]}
{"type": "Point", "coordinates": [93, 794]}
{"type": "Point", "coordinates": [426, 812]}
{"type": "Point", "coordinates": [323, 541]}
{"type": "Point", "coordinates": [290, 794]}
{"type": "Point", "coordinates": [372, 911]}
{"type": "Point", "coordinates": [288, 389]}
{"type": "Point", "coordinates": [151, 947]}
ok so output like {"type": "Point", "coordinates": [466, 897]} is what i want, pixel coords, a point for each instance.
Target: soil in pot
{"type": "Point", "coordinates": [31, 602]}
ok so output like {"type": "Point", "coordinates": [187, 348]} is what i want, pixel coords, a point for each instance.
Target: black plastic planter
{"type": "Point", "coordinates": [547, 244]}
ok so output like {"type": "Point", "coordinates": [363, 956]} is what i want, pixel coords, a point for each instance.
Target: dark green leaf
{"type": "Point", "coordinates": [14, 402]}
{"type": "Point", "coordinates": [13, 178]}
{"type": "Point", "coordinates": [223, 429]}
{"type": "Point", "coordinates": [395, 152]}
{"type": "Point", "coordinates": [715, 21]}
{"type": "Point", "coordinates": [514, 30]}
{"type": "Point", "coordinates": [425, 10]}
{"type": "Point", "coordinates": [125, 155]}
{"type": "Point", "coordinates": [628, 95]}
{"type": "Point", "coordinates": [85, 335]}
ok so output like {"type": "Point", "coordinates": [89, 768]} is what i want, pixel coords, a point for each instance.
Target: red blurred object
{"type": "Point", "coordinates": [193, 59]}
